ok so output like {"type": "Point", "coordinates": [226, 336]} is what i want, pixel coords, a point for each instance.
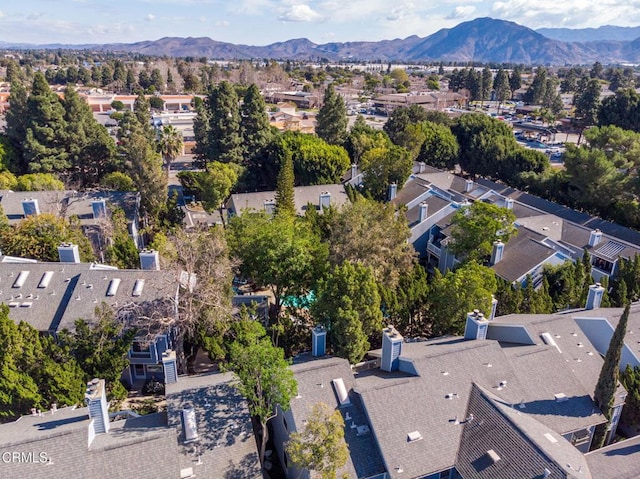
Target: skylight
{"type": "Point", "coordinates": [45, 280]}
{"type": "Point", "coordinates": [113, 287]}
{"type": "Point", "coordinates": [414, 436]}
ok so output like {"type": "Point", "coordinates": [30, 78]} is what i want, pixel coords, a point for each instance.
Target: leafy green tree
{"type": "Point", "coordinates": [100, 346]}
{"type": "Point", "coordinates": [120, 249]}
{"type": "Point", "coordinates": [621, 109]}
{"type": "Point", "coordinates": [630, 379]}
{"type": "Point", "coordinates": [264, 379]}
{"type": "Point", "coordinates": [371, 234]}
{"type": "Point", "coordinates": [476, 227]}
{"type": "Point", "coordinates": [406, 306]}
{"type": "Point", "coordinates": [400, 118]}
{"type": "Point", "coordinates": [201, 131]}
{"type": "Point", "coordinates": [487, 83]}
{"type": "Point", "coordinates": [170, 145]}
{"type": "Point", "coordinates": [587, 104]}
{"type": "Point", "coordinates": [90, 148]}
{"type": "Point", "coordinates": [36, 371]}
{"type": "Point", "coordinates": [38, 237]}
{"type": "Point", "coordinates": [440, 147]}
{"type": "Point", "coordinates": [8, 181]}
{"type": "Point", "coordinates": [536, 91]}
{"type": "Point", "coordinates": [515, 80]}
{"type": "Point", "coordinates": [285, 196]}
{"type": "Point", "coordinates": [605, 391]}
{"type": "Point", "coordinates": [256, 131]}
{"type": "Point", "coordinates": [38, 182]}
{"type": "Point", "coordinates": [279, 252]}
{"type": "Point", "coordinates": [383, 166]}
{"type": "Point", "coordinates": [331, 121]}
{"type": "Point", "coordinates": [453, 295]}
{"type": "Point", "coordinates": [320, 447]}
{"type": "Point", "coordinates": [45, 140]}
{"type": "Point", "coordinates": [224, 140]}
{"type": "Point", "coordinates": [363, 138]}
{"type": "Point", "coordinates": [501, 87]}
{"type": "Point", "coordinates": [117, 181]}
{"type": "Point", "coordinates": [353, 288]}
{"type": "Point", "coordinates": [17, 124]}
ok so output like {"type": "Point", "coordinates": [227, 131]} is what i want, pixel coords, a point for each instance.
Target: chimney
{"type": "Point", "coordinates": [477, 325]}
{"type": "Point", "coordinates": [318, 341]}
{"type": "Point", "coordinates": [189, 425]}
{"type": "Point", "coordinates": [96, 401]}
{"type": "Point", "coordinates": [393, 191]}
{"type": "Point", "coordinates": [69, 253]}
{"type": "Point", "coordinates": [170, 368]}
{"type": "Point", "coordinates": [496, 254]}
{"type": "Point", "coordinates": [595, 237]}
{"type": "Point", "coordinates": [269, 207]}
{"type": "Point", "coordinates": [325, 200]}
{"type": "Point", "coordinates": [30, 207]}
{"type": "Point", "coordinates": [468, 186]}
{"type": "Point", "coordinates": [424, 209]}
{"type": "Point", "coordinates": [149, 260]}
{"type": "Point", "coordinates": [594, 296]}
{"type": "Point", "coordinates": [354, 171]}
{"type": "Point", "coordinates": [99, 208]}
{"type": "Point", "coordinates": [508, 203]}
{"type": "Point", "coordinates": [421, 167]}
{"type": "Point", "coordinates": [494, 306]}
{"type": "Point", "coordinates": [391, 349]}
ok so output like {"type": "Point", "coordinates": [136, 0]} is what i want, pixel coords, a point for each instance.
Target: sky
{"type": "Point", "coordinates": [261, 22]}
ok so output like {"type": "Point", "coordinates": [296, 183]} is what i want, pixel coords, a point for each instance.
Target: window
{"type": "Point", "coordinates": [580, 437]}
{"type": "Point", "coordinates": [140, 349]}
{"type": "Point", "coordinates": [138, 370]}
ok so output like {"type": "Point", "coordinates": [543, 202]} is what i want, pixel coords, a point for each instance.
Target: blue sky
{"type": "Point", "coordinates": [260, 22]}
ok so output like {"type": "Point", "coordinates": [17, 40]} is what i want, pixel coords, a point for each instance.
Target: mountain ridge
{"type": "Point", "coordinates": [482, 40]}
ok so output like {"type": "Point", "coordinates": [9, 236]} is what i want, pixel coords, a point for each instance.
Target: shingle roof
{"type": "Point", "coordinates": [523, 252]}
{"type": "Point", "coordinates": [226, 444]}
{"type": "Point", "coordinates": [617, 461]}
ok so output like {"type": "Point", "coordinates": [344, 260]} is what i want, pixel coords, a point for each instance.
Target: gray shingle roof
{"type": "Point", "coordinates": [523, 252]}
{"type": "Point", "coordinates": [618, 461]}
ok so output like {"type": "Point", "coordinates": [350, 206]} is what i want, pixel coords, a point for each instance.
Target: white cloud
{"type": "Point", "coordinates": [462, 11]}
{"type": "Point", "coordinates": [2, 15]}
{"type": "Point", "coordinates": [150, 17]}
{"type": "Point", "coordinates": [400, 12]}
{"type": "Point", "coordinates": [222, 23]}
{"type": "Point", "coordinates": [299, 13]}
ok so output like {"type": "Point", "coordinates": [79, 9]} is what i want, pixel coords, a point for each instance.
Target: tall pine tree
{"type": "Point", "coordinates": [16, 127]}
{"type": "Point", "coordinates": [285, 196]}
{"type": "Point", "coordinates": [224, 141]}
{"type": "Point", "coordinates": [256, 131]}
{"type": "Point", "coordinates": [607, 385]}
{"type": "Point", "coordinates": [331, 121]}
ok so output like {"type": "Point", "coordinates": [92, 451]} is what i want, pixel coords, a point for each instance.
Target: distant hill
{"type": "Point", "coordinates": [482, 40]}
{"type": "Point", "coordinates": [604, 33]}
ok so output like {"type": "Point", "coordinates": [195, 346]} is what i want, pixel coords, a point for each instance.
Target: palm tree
{"type": "Point", "coordinates": [169, 145]}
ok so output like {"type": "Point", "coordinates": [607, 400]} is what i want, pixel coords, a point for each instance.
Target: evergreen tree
{"type": "Point", "coordinates": [501, 87]}
{"type": "Point", "coordinates": [605, 391]}
{"type": "Point", "coordinates": [201, 132]}
{"type": "Point", "coordinates": [224, 141]}
{"type": "Point", "coordinates": [630, 379]}
{"type": "Point", "coordinates": [331, 122]}
{"type": "Point", "coordinates": [515, 80]}
{"type": "Point", "coordinates": [487, 83]}
{"type": "Point", "coordinates": [256, 131]}
{"type": "Point", "coordinates": [16, 127]}
{"type": "Point", "coordinates": [44, 145]}
{"type": "Point", "coordinates": [285, 196]}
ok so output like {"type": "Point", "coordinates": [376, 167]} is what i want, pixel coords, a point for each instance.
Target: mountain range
{"type": "Point", "coordinates": [481, 40]}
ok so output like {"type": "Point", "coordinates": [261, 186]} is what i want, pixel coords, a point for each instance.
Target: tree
{"type": "Point", "coordinates": [536, 91]}
{"type": "Point", "coordinates": [406, 306]}
{"type": "Point", "coordinates": [16, 127]}
{"type": "Point", "coordinates": [320, 447]}
{"type": "Point", "coordinates": [120, 249]}
{"type": "Point", "coordinates": [331, 121]}
{"type": "Point", "coordinates": [117, 181]}
{"type": "Point", "coordinates": [264, 379]}
{"type": "Point", "coordinates": [604, 394]}
{"type": "Point", "coordinates": [476, 227]}
{"type": "Point", "coordinates": [280, 252]}
{"type": "Point", "coordinates": [515, 80]}
{"type": "Point", "coordinates": [353, 289]}
{"type": "Point", "coordinates": [621, 109]}
{"type": "Point", "coordinates": [224, 136]}
{"type": "Point", "coordinates": [45, 140]}
{"type": "Point", "coordinates": [38, 237]}
{"type": "Point", "coordinates": [371, 234]}
{"type": "Point", "coordinates": [362, 138]}
{"type": "Point", "coordinates": [487, 83]}
{"type": "Point", "coordinates": [201, 132]}
{"type": "Point", "coordinates": [383, 166]}
{"type": "Point", "coordinates": [400, 118]}
{"type": "Point", "coordinates": [587, 103]}
{"type": "Point", "coordinates": [501, 87]}
{"type": "Point", "coordinates": [38, 182]}
{"type": "Point", "coordinates": [285, 196]}
{"type": "Point", "coordinates": [100, 346]}
{"type": "Point", "coordinates": [630, 379]}
{"type": "Point", "coordinates": [440, 147]}
{"type": "Point", "coordinates": [35, 371]}
{"type": "Point", "coordinates": [256, 131]}
{"type": "Point", "coordinates": [453, 295]}
{"type": "Point", "coordinates": [170, 145]}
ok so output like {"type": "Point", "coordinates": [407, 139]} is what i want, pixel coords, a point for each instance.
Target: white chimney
{"type": "Point", "coordinates": [96, 401]}
{"type": "Point", "coordinates": [325, 200]}
{"type": "Point", "coordinates": [393, 191]}
{"type": "Point", "coordinates": [269, 207]}
{"type": "Point", "coordinates": [497, 252]}
{"type": "Point", "coordinates": [594, 296]}
{"type": "Point", "coordinates": [30, 207]}
{"type": "Point", "coordinates": [595, 237]}
{"type": "Point", "coordinates": [476, 327]}
{"type": "Point", "coordinates": [69, 253]}
{"type": "Point", "coordinates": [421, 167]}
{"type": "Point", "coordinates": [169, 366]}
{"type": "Point", "coordinates": [424, 209]}
{"type": "Point", "coordinates": [391, 349]}
{"type": "Point", "coordinates": [354, 171]}
{"type": "Point", "coordinates": [99, 208]}
{"type": "Point", "coordinates": [508, 203]}
{"type": "Point", "coordinates": [149, 260]}
{"type": "Point", "coordinates": [494, 307]}
{"type": "Point", "coordinates": [318, 341]}
{"type": "Point", "coordinates": [468, 186]}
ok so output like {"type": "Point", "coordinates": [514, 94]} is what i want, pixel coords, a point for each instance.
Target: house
{"type": "Point", "coordinates": [52, 296]}
{"type": "Point", "coordinates": [512, 398]}
{"type": "Point", "coordinates": [427, 100]}
{"type": "Point", "coordinates": [91, 208]}
{"type": "Point", "coordinates": [547, 233]}
{"type": "Point", "coordinates": [206, 432]}
{"type": "Point", "coordinates": [318, 196]}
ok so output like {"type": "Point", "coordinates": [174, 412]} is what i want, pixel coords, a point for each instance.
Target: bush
{"type": "Point", "coordinates": [153, 386]}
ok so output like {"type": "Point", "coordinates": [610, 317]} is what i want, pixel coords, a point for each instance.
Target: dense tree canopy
{"type": "Point", "coordinates": [331, 122]}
